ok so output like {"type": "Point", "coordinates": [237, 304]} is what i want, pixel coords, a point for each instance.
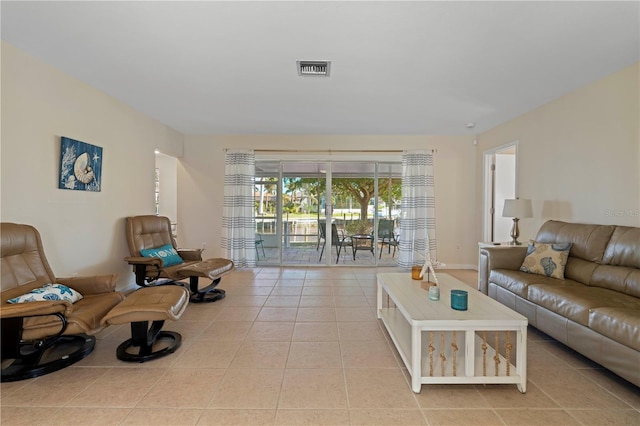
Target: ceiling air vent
{"type": "Point", "coordinates": [314, 68]}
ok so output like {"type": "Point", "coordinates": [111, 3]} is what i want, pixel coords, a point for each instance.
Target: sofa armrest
{"type": "Point", "coordinates": [29, 309]}
{"type": "Point", "coordinates": [504, 257]}
{"type": "Point", "coordinates": [190, 254]}
{"type": "Point", "coordinates": [91, 285]}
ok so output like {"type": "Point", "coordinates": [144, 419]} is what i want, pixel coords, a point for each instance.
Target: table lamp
{"type": "Point", "coordinates": [516, 209]}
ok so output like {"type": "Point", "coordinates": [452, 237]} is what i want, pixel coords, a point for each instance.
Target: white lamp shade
{"type": "Point", "coordinates": [517, 208]}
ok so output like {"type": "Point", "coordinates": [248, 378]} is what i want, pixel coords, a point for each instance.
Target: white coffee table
{"type": "Point", "coordinates": [441, 345]}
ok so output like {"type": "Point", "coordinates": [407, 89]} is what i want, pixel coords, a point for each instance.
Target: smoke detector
{"type": "Point", "coordinates": [321, 68]}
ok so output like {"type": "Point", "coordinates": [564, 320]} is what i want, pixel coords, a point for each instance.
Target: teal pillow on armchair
{"type": "Point", "coordinates": [167, 253]}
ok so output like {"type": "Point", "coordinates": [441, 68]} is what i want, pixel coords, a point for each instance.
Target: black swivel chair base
{"type": "Point", "coordinates": [44, 358]}
{"type": "Point", "coordinates": [144, 338]}
{"type": "Point", "coordinates": [149, 306]}
{"type": "Point", "coordinates": [212, 296]}
{"type": "Point", "coordinates": [207, 294]}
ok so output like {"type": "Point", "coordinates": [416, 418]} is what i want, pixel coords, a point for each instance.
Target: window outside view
{"type": "Point", "coordinates": [292, 208]}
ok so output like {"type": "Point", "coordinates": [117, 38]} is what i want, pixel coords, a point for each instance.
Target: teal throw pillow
{"type": "Point", "coordinates": [167, 253]}
{"type": "Point", "coordinates": [48, 292]}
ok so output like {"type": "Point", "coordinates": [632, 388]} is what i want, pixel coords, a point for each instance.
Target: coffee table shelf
{"type": "Point", "coordinates": [461, 342]}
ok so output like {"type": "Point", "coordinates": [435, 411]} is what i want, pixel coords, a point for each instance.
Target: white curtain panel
{"type": "Point", "coordinates": [238, 226]}
{"type": "Point", "coordinates": [418, 217]}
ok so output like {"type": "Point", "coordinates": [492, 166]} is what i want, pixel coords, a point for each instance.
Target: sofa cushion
{"type": "Point", "coordinates": [622, 258]}
{"type": "Point", "coordinates": [579, 269]}
{"type": "Point", "coordinates": [589, 241]}
{"type": "Point", "coordinates": [518, 282]}
{"type": "Point", "coordinates": [546, 259]}
{"type": "Point", "coordinates": [573, 300]}
{"type": "Point", "coordinates": [619, 324]}
{"type": "Point", "coordinates": [618, 278]}
{"type": "Point", "coordinates": [624, 247]}
{"type": "Point", "coordinates": [632, 283]}
{"type": "Point", "coordinates": [85, 317]}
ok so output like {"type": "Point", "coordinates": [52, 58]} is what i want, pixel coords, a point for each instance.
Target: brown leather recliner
{"type": "Point", "coordinates": [45, 336]}
{"type": "Point", "coordinates": [150, 232]}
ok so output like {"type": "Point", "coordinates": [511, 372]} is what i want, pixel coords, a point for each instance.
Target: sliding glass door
{"type": "Point", "coordinates": [389, 178]}
{"type": "Point", "coordinates": [327, 212]}
{"type": "Point", "coordinates": [303, 212]}
{"type": "Point", "coordinates": [353, 189]}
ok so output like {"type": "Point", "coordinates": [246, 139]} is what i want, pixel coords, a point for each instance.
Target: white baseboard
{"type": "Point", "coordinates": [460, 266]}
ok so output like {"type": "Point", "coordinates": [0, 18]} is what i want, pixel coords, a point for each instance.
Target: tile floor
{"type": "Point", "coordinates": [309, 255]}
{"type": "Point", "coordinates": [302, 346]}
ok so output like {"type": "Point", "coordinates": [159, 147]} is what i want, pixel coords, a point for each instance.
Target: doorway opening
{"type": "Point", "coordinates": [500, 183]}
{"type": "Point", "coordinates": [166, 188]}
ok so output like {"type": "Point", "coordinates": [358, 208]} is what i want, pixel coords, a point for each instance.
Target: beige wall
{"type": "Point", "coordinates": [578, 156]}
{"type": "Point", "coordinates": [82, 232]}
{"type": "Point", "coordinates": [201, 178]}
{"type": "Point", "coordinates": [579, 160]}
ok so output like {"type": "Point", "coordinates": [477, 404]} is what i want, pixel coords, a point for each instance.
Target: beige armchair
{"type": "Point", "coordinates": [40, 337]}
{"type": "Point", "coordinates": [150, 232]}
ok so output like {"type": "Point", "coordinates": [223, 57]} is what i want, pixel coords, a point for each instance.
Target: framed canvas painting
{"type": "Point", "coordinates": [80, 165]}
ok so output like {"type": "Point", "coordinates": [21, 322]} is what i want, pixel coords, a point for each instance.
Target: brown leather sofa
{"type": "Point", "coordinates": [40, 337]}
{"type": "Point", "coordinates": [595, 309]}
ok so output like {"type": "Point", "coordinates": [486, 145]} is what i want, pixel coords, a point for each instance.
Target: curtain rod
{"type": "Point", "coordinates": [340, 151]}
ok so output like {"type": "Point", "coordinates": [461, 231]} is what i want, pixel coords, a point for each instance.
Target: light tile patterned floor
{"type": "Point", "coordinates": [302, 346]}
{"type": "Point", "coordinates": [309, 255]}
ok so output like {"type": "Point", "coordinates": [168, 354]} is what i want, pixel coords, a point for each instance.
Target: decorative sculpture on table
{"type": "Point", "coordinates": [429, 268]}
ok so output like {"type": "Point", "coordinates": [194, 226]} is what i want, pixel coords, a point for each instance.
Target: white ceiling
{"type": "Point", "coordinates": [211, 67]}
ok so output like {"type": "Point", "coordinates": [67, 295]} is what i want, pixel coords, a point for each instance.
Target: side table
{"type": "Point", "coordinates": [361, 242]}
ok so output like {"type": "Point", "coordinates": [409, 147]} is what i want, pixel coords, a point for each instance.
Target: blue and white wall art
{"type": "Point", "coordinates": [80, 165]}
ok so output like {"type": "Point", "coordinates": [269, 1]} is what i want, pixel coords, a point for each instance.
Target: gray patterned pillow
{"type": "Point", "coordinates": [546, 259]}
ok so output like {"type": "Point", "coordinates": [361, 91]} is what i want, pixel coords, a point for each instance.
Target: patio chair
{"type": "Point", "coordinates": [336, 240]}
{"type": "Point", "coordinates": [386, 236]}
{"type": "Point", "coordinates": [259, 242]}
{"type": "Point", "coordinates": [322, 235]}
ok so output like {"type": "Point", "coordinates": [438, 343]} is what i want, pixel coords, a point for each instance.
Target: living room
{"type": "Point", "coordinates": [578, 158]}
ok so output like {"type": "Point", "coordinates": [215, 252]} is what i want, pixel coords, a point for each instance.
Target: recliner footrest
{"type": "Point", "coordinates": [213, 269]}
{"type": "Point", "coordinates": [149, 304]}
